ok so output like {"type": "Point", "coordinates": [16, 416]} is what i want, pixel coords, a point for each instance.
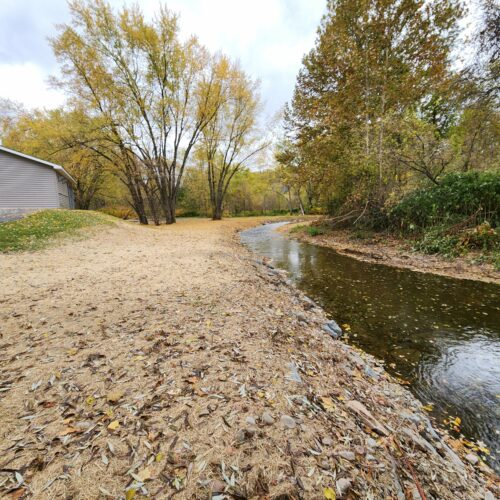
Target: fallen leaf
{"type": "Point", "coordinates": [330, 493]}
{"type": "Point", "coordinates": [130, 493]}
{"type": "Point", "coordinates": [114, 396]}
{"type": "Point", "coordinates": [328, 404]}
{"type": "Point", "coordinates": [114, 425]}
{"type": "Point", "coordinates": [144, 474]}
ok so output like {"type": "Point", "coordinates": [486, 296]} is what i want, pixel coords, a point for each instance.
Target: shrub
{"type": "Point", "coordinates": [315, 230]}
{"type": "Point", "coordinates": [460, 196]}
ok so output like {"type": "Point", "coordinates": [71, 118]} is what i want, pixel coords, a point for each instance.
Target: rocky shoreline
{"type": "Point", "coordinates": [401, 428]}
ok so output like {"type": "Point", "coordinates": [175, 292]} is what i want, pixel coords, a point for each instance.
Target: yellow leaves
{"type": "Point", "coordinates": [454, 423]}
{"type": "Point", "coordinates": [159, 457]}
{"type": "Point", "coordinates": [428, 407]}
{"type": "Point", "coordinates": [72, 352]}
{"type": "Point", "coordinates": [328, 404]}
{"type": "Point", "coordinates": [139, 357]}
{"type": "Point", "coordinates": [478, 448]}
{"type": "Point", "coordinates": [329, 493]}
{"type": "Point", "coordinates": [346, 327]}
{"type": "Point", "coordinates": [109, 413]}
{"type": "Point", "coordinates": [90, 401]}
{"type": "Point", "coordinates": [130, 493]}
{"type": "Point", "coordinates": [113, 426]}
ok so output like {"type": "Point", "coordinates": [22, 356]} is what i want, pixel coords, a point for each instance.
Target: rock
{"type": "Point", "coordinates": [366, 417]}
{"type": "Point", "coordinates": [217, 486]}
{"type": "Point", "coordinates": [302, 317]}
{"type": "Point", "coordinates": [293, 374]}
{"type": "Point", "coordinates": [307, 303]}
{"type": "Point", "coordinates": [288, 422]}
{"type": "Point", "coordinates": [412, 417]}
{"type": "Point", "coordinates": [332, 328]}
{"type": "Point", "coordinates": [370, 372]}
{"type": "Point", "coordinates": [371, 443]}
{"type": "Point", "coordinates": [472, 458]}
{"type": "Point", "coordinates": [418, 441]}
{"type": "Point", "coordinates": [346, 455]}
{"type": "Point", "coordinates": [370, 458]}
{"type": "Point", "coordinates": [327, 441]}
{"type": "Point", "coordinates": [251, 420]}
{"type": "Point", "coordinates": [343, 486]}
{"type": "Point", "coordinates": [359, 450]}
{"type": "Point", "coordinates": [489, 496]}
{"type": "Point", "coordinates": [241, 436]}
{"type": "Point", "coordinates": [267, 418]}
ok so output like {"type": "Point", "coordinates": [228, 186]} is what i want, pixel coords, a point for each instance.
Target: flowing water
{"type": "Point", "coordinates": [440, 335]}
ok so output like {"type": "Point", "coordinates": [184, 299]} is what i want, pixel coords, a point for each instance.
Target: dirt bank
{"type": "Point", "coordinates": [392, 252]}
{"type": "Point", "coordinates": [167, 361]}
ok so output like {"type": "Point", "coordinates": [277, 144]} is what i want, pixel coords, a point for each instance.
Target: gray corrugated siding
{"type": "Point", "coordinates": [62, 185]}
{"type": "Point", "coordinates": [27, 184]}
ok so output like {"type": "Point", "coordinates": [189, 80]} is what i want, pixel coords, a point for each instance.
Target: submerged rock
{"type": "Point", "coordinates": [332, 328]}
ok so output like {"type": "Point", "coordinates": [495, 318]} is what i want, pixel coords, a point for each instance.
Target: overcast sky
{"type": "Point", "coordinates": [269, 37]}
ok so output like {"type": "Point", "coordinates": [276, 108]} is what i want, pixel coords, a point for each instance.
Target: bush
{"type": "Point", "coordinates": [439, 240]}
{"type": "Point", "coordinates": [315, 230]}
{"type": "Point", "coordinates": [460, 196]}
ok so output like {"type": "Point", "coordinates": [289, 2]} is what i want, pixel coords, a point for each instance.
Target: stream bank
{"type": "Point", "coordinates": [393, 252]}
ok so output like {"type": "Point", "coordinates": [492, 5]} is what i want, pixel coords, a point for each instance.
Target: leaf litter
{"type": "Point", "coordinates": [134, 368]}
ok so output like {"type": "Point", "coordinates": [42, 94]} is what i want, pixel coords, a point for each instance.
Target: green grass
{"type": "Point", "coordinates": [41, 228]}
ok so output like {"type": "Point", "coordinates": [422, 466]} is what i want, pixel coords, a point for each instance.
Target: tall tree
{"type": "Point", "coordinates": [153, 93]}
{"type": "Point", "coordinates": [373, 59]}
{"type": "Point", "coordinates": [229, 139]}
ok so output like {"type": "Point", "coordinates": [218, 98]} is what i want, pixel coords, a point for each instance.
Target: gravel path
{"type": "Point", "coordinates": [160, 361]}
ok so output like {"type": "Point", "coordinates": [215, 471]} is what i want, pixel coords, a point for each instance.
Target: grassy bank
{"type": "Point", "coordinates": [39, 229]}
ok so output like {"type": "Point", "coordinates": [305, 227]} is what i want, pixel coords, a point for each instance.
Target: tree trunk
{"type": "Point", "coordinates": [217, 210]}
{"type": "Point", "coordinates": [170, 212]}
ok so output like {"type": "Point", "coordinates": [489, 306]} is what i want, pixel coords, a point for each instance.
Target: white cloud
{"type": "Point", "coordinates": [26, 83]}
{"type": "Point", "coordinates": [268, 37]}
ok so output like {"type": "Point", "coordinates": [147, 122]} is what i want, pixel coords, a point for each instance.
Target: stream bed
{"type": "Point", "coordinates": [439, 336]}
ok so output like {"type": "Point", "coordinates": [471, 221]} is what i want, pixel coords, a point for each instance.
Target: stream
{"type": "Point", "coordinates": [440, 336]}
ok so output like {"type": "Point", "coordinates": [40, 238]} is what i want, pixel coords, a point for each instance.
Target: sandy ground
{"type": "Point", "coordinates": [161, 362]}
{"type": "Point", "coordinates": [391, 252]}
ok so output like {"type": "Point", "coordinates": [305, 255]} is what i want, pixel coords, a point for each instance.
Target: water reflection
{"type": "Point", "coordinates": [441, 335]}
